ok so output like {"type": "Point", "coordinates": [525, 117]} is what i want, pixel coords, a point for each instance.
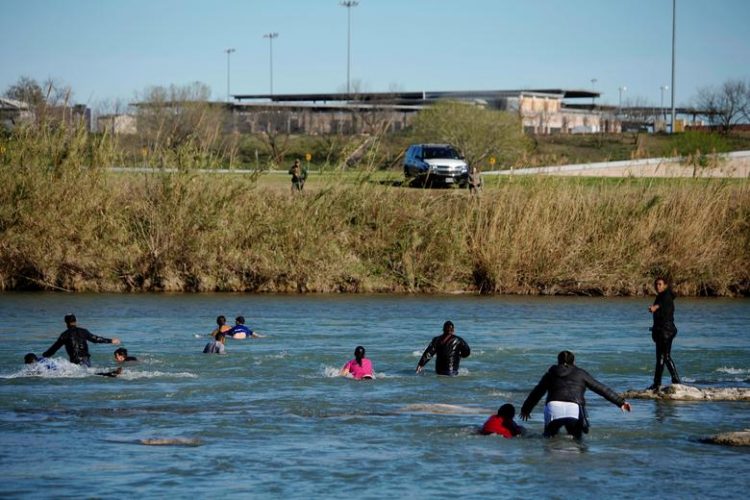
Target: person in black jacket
{"type": "Point", "coordinates": [449, 348]}
{"type": "Point", "coordinates": [663, 332]}
{"type": "Point", "coordinates": [564, 384]}
{"type": "Point", "coordinates": [75, 341]}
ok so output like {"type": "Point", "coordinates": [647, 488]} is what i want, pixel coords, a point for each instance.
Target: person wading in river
{"type": "Point", "coordinates": [75, 341]}
{"type": "Point", "coordinates": [450, 348]}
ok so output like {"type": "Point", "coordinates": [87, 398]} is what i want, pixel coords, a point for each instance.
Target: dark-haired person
{"type": "Point", "coordinates": [221, 326]}
{"type": "Point", "coordinates": [663, 332]}
{"type": "Point", "coordinates": [121, 356]}
{"type": "Point", "coordinates": [503, 423]}
{"type": "Point", "coordinates": [76, 340]}
{"type": "Point", "coordinates": [565, 384]}
{"type": "Point", "coordinates": [239, 331]}
{"type": "Point", "coordinates": [449, 348]}
{"type": "Point", "coordinates": [216, 346]}
{"type": "Point", "coordinates": [360, 367]}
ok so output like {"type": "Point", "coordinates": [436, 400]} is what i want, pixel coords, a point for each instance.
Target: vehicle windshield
{"type": "Point", "coordinates": [440, 152]}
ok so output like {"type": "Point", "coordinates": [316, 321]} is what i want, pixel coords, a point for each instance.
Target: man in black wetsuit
{"type": "Point", "coordinates": [449, 348]}
{"type": "Point", "coordinates": [75, 341]}
{"type": "Point", "coordinates": [663, 332]}
{"type": "Point", "coordinates": [564, 384]}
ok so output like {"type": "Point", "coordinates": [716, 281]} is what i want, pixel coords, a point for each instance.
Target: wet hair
{"type": "Point", "coordinates": [448, 327]}
{"type": "Point", "coordinates": [507, 411]}
{"type": "Point", "coordinates": [70, 318]}
{"type": "Point", "coordinates": [566, 358]}
{"type": "Point", "coordinates": [221, 320]}
{"type": "Point", "coordinates": [30, 358]}
{"type": "Point", "coordinates": [121, 352]}
{"type": "Point", "coordinates": [240, 320]}
{"type": "Point", "coordinates": [359, 353]}
{"type": "Point", "coordinates": [220, 336]}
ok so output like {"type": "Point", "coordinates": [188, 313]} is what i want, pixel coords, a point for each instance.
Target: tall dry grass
{"type": "Point", "coordinates": [75, 227]}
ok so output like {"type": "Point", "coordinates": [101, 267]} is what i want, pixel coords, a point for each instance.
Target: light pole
{"type": "Point", "coordinates": [229, 52]}
{"type": "Point", "coordinates": [621, 90]}
{"type": "Point", "coordinates": [674, 26]}
{"type": "Point", "coordinates": [593, 88]}
{"type": "Point", "coordinates": [348, 4]}
{"type": "Point", "coordinates": [270, 37]}
{"type": "Point", "coordinates": [663, 88]}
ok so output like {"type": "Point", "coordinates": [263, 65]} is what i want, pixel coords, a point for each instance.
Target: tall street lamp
{"type": "Point", "coordinates": [663, 88]}
{"type": "Point", "coordinates": [348, 4]}
{"type": "Point", "coordinates": [229, 52]}
{"type": "Point", "coordinates": [270, 37]}
{"type": "Point", "coordinates": [621, 90]}
{"type": "Point", "coordinates": [674, 26]}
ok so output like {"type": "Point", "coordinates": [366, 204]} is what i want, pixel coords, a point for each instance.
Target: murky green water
{"type": "Point", "coordinates": [271, 419]}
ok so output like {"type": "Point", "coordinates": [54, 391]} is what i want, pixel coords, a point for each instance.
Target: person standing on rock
{"type": "Point", "coordinates": [663, 332]}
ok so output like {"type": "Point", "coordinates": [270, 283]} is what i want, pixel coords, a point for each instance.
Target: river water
{"type": "Point", "coordinates": [271, 419]}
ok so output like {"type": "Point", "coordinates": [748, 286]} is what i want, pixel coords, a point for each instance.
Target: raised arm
{"type": "Point", "coordinates": [101, 340]}
{"type": "Point", "coordinates": [603, 390]}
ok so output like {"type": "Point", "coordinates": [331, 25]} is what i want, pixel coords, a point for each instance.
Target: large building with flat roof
{"type": "Point", "coordinates": [542, 111]}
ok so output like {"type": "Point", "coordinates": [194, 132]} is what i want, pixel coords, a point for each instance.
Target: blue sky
{"type": "Point", "coordinates": [109, 49]}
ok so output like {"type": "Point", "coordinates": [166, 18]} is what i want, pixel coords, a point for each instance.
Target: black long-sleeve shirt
{"type": "Point", "coordinates": [449, 352]}
{"type": "Point", "coordinates": [74, 339]}
{"type": "Point", "coordinates": [568, 383]}
{"type": "Point", "coordinates": [664, 315]}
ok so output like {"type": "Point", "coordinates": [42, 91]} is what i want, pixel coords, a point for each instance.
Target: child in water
{"type": "Point", "coordinates": [503, 423]}
{"type": "Point", "coordinates": [360, 367]}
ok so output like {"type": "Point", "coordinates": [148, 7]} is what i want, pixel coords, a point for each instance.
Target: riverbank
{"type": "Point", "coordinates": [78, 229]}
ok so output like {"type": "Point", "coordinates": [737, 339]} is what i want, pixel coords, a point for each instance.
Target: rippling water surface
{"type": "Point", "coordinates": [272, 419]}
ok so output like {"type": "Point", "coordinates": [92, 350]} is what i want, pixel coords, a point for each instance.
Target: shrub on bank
{"type": "Point", "coordinates": [78, 228]}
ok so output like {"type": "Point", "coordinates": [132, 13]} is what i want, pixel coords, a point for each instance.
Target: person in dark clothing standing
{"type": "Point", "coordinates": [565, 384]}
{"type": "Point", "coordinates": [450, 348]}
{"type": "Point", "coordinates": [75, 341]}
{"type": "Point", "coordinates": [299, 176]}
{"type": "Point", "coordinates": [663, 332]}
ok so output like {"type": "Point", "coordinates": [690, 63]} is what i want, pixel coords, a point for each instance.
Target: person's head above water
{"type": "Point", "coordinates": [221, 320]}
{"type": "Point", "coordinates": [70, 319]}
{"type": "Point", "coordinates": [359, 353]}
{"type": "Point", "coordinates": [566, 358]}
{"type": "Point", "coordinates": [240, 320]}
{"type": "Point", "coordinates": [121, 354]}
{"type": "Point", "coordinates": [507, 411]}
{"type": "Point", "coordinates": [220, 337]}
{"type": "Point", "coordinates": [30, 358]}
{"type": "Point", "coordinates": [448, 328]}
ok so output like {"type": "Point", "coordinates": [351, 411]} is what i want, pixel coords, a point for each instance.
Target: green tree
{"type": "Point", "coordinates": [479, 133]}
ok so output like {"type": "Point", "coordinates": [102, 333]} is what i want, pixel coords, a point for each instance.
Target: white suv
{"type": "Point", "coordinates": [435, 162]}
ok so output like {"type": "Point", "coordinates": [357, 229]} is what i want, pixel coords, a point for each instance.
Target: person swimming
{"type": "Point", "coordinates": [121, 356]}
{"type": "Point", "coordinates": [239, 331]}
{"type": "Point", "coordinates": [44, 365]}
{"type": "Point", "coordinates": [360, 367]}
{"type": "Point", "coordinates": [221, 326]}
{"type": "Point", "coordinates": [502, 423]}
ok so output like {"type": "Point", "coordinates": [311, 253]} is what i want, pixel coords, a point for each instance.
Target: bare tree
{"type": "Point", "coordinates": [726, 104]}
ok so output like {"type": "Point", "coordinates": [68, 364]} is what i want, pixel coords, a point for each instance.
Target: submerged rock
{"type": "Point", "coordinates": [739, 438]}
{"type": "Point", "coordinates": [680, 392]}
{"type": "Point", "coordinates": [170, 441]}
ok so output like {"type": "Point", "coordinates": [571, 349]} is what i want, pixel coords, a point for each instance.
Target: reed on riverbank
{"type": "Point", "coordinates": [74, 227]}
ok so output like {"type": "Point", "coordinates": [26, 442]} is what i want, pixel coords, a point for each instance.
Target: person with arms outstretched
{"type": "Point", "coordinates": [76, 340]}
{"type": "Point", "coordinates": [565, 384]}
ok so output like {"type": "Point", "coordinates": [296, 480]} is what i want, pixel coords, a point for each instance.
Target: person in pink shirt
{"type": "Point", "coordinates": [360, 367]}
